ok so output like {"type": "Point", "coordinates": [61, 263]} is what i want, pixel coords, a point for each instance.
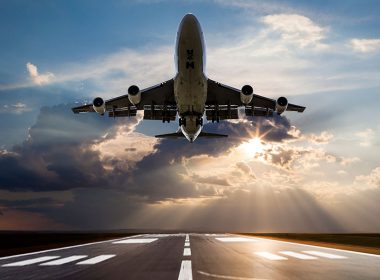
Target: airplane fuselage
{"type": "Point", "coordinates": [190, 82]}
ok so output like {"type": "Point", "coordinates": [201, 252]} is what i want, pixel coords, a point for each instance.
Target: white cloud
{"type": "Point", "coordinates": [365, 45]}
{"type": "Point", "coordinates": [296, 29]}
{"type": "Point", "coordinates": [17, 108]}
{"type": "Point", "coordinates": [37, 78]}
{"type": "Point", "coordinates": [323, 138]}
{"type": "Point", "coordinates": [366, 137]}
{"type": "Point", "coordinates": [373, 179]}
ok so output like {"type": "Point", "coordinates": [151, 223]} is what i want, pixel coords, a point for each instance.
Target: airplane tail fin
{"type": "Point", "coordinates": [179, 134]}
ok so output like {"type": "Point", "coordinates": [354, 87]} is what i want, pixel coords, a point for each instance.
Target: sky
{"type": "Point", "coordinates": [313, 172]}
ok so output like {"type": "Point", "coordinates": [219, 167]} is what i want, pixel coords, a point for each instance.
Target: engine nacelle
{"type": "Point", "coordinates": [134, 94]}
{"type": "Point", "coordinates": [246, 94]}
{"type": "Point", "coordinates": [281, 105]}
{"type": "Point", "coordinates": [99, 105]}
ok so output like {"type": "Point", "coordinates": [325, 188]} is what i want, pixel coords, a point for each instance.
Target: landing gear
{"type": "Point", "coordinates": [199, 122]}
{"type": "Point", "coordinates": [182, 121]}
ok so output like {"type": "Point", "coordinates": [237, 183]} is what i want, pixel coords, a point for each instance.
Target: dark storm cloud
{"type": "Point", "coordinates": [53, 157]}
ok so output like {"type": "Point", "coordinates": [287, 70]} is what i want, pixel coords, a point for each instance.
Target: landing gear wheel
{"type": "Point", "coordinates": [182, 121]}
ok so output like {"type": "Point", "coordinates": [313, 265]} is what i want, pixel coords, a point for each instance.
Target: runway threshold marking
{"type": "Point", "coordinates": [30, 261]}
{"type": "Point", "coordinates": [270, 256]}
{"type": "Point", "coordinates": [96, 260]}
{"type": "Point", "coordinates": [135, 241]}
{"type": "Point", "coordinates": [186, 272]}
{"type": "Point", "coordinates": [68, 247]}
{"type": "Point", "coordinates": [187, 252]}
{"type": "Point", "coordinates": [324, 255]}
{"type": "Point", "coordinates": [65, 260]}
{"type": "Point", "coordinates": [318, 247]}
{"type": "Point", "coordinates": [235, 239]}
{"type": "Point", "coordinates": [298, 255]}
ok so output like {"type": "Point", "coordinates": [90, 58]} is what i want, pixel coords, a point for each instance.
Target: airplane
{"type": "Point", "coordinates": [190, 94]}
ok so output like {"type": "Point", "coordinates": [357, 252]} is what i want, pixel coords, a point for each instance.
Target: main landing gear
{"type": "Point", "coordinates": [182, 121]}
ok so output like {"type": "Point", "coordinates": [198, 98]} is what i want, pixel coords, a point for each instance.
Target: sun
{"type": "Point", "coordinates": [252, 147]}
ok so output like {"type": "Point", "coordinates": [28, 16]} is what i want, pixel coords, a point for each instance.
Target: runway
{"type": "Point", "coordinates": [191, 256]}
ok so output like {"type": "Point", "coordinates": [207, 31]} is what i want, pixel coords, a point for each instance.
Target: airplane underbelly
{"type": "Point", "coordinates": [191, 93]}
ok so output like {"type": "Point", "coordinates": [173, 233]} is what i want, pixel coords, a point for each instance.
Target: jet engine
{"type": "Point", "coordinates": [134, 94]}
{"type": "Point", "coordinates": [281, 105]}
{"type": "Point", "coordinates": [246, 94]}
{"type": "Point", "coordinates": [99, 105]}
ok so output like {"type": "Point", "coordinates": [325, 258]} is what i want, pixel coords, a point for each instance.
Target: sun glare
{"type": "Point", "coordinates": [252, 147]}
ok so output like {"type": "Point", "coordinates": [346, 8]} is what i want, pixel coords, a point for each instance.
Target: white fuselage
{"type": "Point", "coordinates": [190, 82]}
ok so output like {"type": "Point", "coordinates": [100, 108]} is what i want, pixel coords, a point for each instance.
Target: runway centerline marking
{"type": "Point", "coordinates": [30, 261]}
{"type": "Point", "coordinates": [235, 239]}
{"type": "Point", "coordinates": [185, 273]}
{"type": "Point", "coordinates": [65, 260]}
{"type": "Point", "coordinates": [270, 256]}
{"type": "Point", "coordinates": [187, 244]}
{"type": "Point", "coordinates": [324, 255]}
{"type": "Point", "coordinates": [96, 260]}
{"type": "Point", "coordinates": [298, 255]}
{"type": "Point", "coordinates": [187, 252]}
{"type": "Point", "coordinates": [135, 241]}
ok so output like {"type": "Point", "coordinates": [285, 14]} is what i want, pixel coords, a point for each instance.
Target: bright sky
{"type": "Point", "coordinates": [316, 171]}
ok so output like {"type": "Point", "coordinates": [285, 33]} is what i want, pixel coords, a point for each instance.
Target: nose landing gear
{"type": "Point", "coordinates": [182, 121]}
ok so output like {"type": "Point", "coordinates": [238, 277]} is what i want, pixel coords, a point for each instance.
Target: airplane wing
{"type": "Point", "coordinates": [221, 94]}
{"type": "Point", "coordinates": [161, 94]}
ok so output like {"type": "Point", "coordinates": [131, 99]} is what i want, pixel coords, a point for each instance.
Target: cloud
{"type": "Point", "coordinates": [17, 108]}
{"type": "Point", "coordinates": [366, 137]}
{"type": "Point", "coordinates": [37, 78]}
{"type": "Point", "coordinates": [365, 45]}
{"type": "Point", "coordinates": [296, 29]}
{"type": "Point", "coordinates": [373, 179]}
{"type": "Point", "coordinates": [324, 138]}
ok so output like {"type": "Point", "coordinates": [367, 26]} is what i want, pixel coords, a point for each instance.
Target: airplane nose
{"type": "Point", "coordinates": [189, 19]}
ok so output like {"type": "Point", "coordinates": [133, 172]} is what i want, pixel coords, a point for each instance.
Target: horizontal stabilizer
{"type": "Point", "coordinates": [180, 135]}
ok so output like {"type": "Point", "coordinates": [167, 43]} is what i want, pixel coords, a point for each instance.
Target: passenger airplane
{"type": "Point", "coordinates": [190, 93]}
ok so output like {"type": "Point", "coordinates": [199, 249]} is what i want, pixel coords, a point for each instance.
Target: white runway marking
{"type": "Point", "coordinates": [31, 261]}
{"type": "Point", "coordinates": [298, 255]}
{"type": "Point", "coordinates": [187, 244]}
{"type": "Point", "coordinates": [318, 247]}
{"type": "Point", "coordinates": [65, 260]}
{"type": "Point", "coordinates": [187, 238]}
{"type": "Point", "coordinates": [65, 248]}
{"type": "Point", "coordinates": [185, 273]}
{"type": "Point", "coordinates": [135, 241]}
{"type": "Point", "coordinates": [187, 252]}
{"type": "Point", "coordinates": [324, 255]}
{"type": "Point", "coordinates": [270, 256]}
{"type": "Point", "coordinates": [97, 259]}
{"type": "Point", "coordinates": [235, 239]}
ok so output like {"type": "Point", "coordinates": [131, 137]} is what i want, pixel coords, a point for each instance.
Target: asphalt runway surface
{"type": "Point", "coordinates": [191, 256]}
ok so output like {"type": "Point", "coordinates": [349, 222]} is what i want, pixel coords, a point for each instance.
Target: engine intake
{"type": "Point", "coordinates": [281, 105]}
{"type": "Point", "coordinates": [134, 94]}
{"type": "Point", "coordinates": [99, 105]}
{"type": "Point", "coordinates": [246, 94]}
